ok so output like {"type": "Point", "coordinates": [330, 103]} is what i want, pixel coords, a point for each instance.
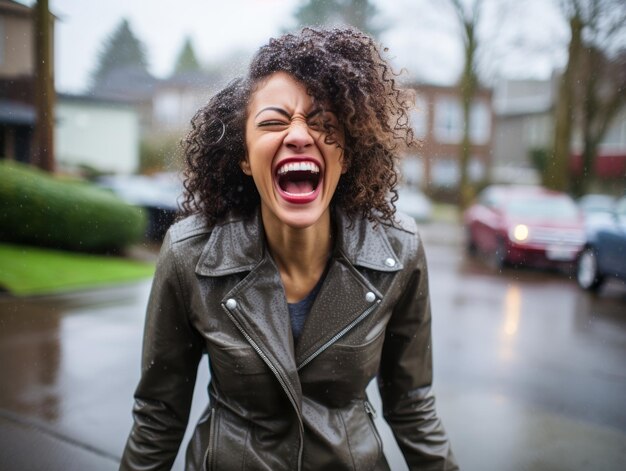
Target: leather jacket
{"type": "Point", "coordinates": [275, 405]}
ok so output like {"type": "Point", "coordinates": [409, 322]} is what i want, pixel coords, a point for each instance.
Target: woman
{"type": "Point", "coordinates": [293, 274]}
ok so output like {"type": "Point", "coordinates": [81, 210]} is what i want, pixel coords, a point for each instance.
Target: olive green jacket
{"type": "Point", "coordinates": [275, 404]}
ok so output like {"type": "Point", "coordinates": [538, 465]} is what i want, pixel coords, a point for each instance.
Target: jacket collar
{"type": "Point", "coordinates": [238, 245]}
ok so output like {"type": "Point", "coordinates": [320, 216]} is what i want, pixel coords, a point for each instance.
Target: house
{"type": "Point", "coordinates": [96, 134]}
{"type": "Point", "coordinates": [131, 84]}
{"type": "Point", "coordinates": [524, 124]}
{"type": "Point", "coordinates": [438, 122]}
{"type": "Point", "coordinates": [102, 134]}
{"type": "Point", "coordinates": [16, 40]}
{"type": "Point", "coordinates": [17, 113]}
{"type": "Point", "coordinates": [177, 99]}
{"type": "Point", "coordinates": [523, 112]}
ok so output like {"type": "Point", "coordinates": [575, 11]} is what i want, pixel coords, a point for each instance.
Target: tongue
{"type": "Point", "coordinates": [298, 187]}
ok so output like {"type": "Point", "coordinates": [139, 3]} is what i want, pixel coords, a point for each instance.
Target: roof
{"type": "Point", "coordinates": [91, 99]}
{"type": "Point", "coordinates": [9, 6]}
{"type": "Point", "coordinates": [192, 79]}
{"type": "Point", "coordinates": [129, 83]}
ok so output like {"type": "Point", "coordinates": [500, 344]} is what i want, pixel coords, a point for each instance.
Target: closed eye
{"type": "Point", "coordinates": [271, 123]}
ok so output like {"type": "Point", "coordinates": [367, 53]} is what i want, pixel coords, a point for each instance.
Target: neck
{"type": "Point", "coordinates": [301, 254]}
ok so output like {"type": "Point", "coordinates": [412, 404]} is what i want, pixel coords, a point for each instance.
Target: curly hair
{"type": "Point", "coordinates": [342, 69]}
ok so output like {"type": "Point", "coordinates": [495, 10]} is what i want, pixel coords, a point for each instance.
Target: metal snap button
{"type": "Point", "coordinates": [390, 262]}
{"type": "Point", "coordinates": [370, 297]}
{"type": "Point", "coordinates": [231, 303]}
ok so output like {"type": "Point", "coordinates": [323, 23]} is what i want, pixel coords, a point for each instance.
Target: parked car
{"type": "Point", "coordinates": [596, 203]}
{"type": "Point", "coordinates": [604, 254]}
{"type": "Point", "coordinates": [157, 194]}
{"type": "Point", "coordinates": [525, 225]}
{"type": "Point", "coordinates": [413, 202]}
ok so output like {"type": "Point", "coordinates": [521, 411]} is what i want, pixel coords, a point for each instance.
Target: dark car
{"type": "Point", "coordinates": [604, 254]}
{"type": "Point", "coordinates": [158, 194]}
{"type": "Point", "coordinates": [525, 225]}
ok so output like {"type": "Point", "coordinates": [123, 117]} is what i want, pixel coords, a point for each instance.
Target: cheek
{"type": "Point", "coordinates": [261, 150]}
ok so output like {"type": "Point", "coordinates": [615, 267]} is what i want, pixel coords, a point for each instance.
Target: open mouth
{"type": "Point", "coordinates": [298, 179]}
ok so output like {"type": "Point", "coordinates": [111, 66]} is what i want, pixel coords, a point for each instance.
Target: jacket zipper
{"type": "Point", "coordinates": [278, 375]}
{"type": "Point", "coordinates": [369, 408]}
{"type": "Point", "coordinates": [371, 413]}
{"type": "Point", "coordinates": [338, 335]}
{"type": "Point", "coordinates": [209, 451]}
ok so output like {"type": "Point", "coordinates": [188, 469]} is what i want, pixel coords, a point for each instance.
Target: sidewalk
{"type": "Point", "coordinates": [444, 233]}
{"type": "Point", "coordinates": [30, 447]}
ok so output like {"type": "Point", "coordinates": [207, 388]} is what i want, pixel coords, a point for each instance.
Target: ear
{"type": "Point", "coordinates": [344, 163]}
{"type": "Point", "coordinates": [245, 167]}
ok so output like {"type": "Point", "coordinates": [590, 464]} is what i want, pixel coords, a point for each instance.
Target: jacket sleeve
{"type": "Point", "coordinates": [406, 374]}
{"type": "Point", "coordinates": [171, 352]}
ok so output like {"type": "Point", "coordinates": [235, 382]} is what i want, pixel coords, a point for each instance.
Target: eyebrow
{"type": "Point", "coordinates": [316, 111]}
{"type": "Point", "coordinates": [273, 108]}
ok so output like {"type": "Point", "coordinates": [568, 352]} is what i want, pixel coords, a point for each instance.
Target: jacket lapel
{"type": "Point", "coordinates": [257, 303]}
{"type": "Point", "coordinates": [346, 296]}
{"type": "Point", "coordinates": [342, 298]}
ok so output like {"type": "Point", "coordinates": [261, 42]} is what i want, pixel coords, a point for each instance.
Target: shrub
{"type": "Point", "coordinates": [39, 209]}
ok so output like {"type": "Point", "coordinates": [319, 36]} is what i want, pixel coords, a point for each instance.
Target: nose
{"type": "Point", "coordinates": [299, 136]}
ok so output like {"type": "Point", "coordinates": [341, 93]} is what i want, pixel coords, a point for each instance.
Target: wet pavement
{"type": "Point", "coordinates": [529, 370]}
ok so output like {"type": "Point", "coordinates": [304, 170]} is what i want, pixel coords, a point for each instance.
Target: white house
{"type": "Point", "coordinates": [100, 134]}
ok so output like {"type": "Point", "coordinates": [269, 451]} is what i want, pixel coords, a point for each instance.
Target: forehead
{"type": "Point", "coordinates": [280, 89]}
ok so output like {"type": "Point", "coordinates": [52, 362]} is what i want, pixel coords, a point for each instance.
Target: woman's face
{"type": "Point", "coordinates": [294, 170]}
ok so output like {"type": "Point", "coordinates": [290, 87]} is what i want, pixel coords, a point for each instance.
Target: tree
{"type": "Point", "coordinates": [44, 88]}
{"type": "Point", "coordinates": [592, 86]}
{"type": "Point", "coordinates": [468, 18]}
{"type": "Point", "coordinates": [603, 96]}
{"type": "Point", "coordinates": [187, 60]}
{"type": "Point", "coordinates": [358, 13]}
{"type": "Point", "coordinates": [121, 49]}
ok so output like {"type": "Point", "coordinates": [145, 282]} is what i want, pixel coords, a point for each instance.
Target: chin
{"type": "Point", "coordinates": [300, 219]}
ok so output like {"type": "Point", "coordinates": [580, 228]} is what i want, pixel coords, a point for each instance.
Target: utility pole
{"type": "Point", "coordinates": [44, 88]}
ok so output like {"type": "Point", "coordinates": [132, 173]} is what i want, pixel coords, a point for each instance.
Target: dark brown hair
{"type": "Point", "coordinates": [342, 69]}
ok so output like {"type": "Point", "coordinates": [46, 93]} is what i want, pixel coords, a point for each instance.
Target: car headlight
{"type": "Point", "coordinates": [519, 233]}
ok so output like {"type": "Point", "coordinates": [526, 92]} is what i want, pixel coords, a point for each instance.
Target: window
{"type": "Point", "coordinates": [448, 120]}
{"type": "Point", "coordinates": [419, 118]}
{"type": "Point", "coordinates": [412, 170]}
{"type": "Point", "coordinates": [615, 137]}
{"type": "Point", "coordinates": [445, 172]}
{"type": "Point", "coordinates": [480, 123]}
{"type": "Point", "coordinates": [476, 169]}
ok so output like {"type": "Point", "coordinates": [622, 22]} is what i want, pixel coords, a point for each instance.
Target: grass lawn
{"type": "Point", "coordinates": [27, 271]}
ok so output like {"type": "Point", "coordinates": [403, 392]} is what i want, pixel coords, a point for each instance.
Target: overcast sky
{"type": "Point", "coordinates": [421, 34]}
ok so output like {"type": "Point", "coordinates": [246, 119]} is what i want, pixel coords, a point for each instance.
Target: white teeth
{"type": "Point", "coordinates": [299, 167]}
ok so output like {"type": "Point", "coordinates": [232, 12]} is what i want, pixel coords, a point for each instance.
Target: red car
{"type": "Point", "coordinates": [525, 225]}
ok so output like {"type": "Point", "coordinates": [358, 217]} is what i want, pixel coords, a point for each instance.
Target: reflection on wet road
{"type": "Point", "coordinates": [529, 371]}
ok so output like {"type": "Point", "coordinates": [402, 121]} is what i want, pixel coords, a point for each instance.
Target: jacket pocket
{"type": "Point", "coordinates": [209, 455]}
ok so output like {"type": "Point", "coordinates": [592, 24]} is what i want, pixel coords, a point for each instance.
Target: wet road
{"type": "Point", "coordinates": [529, 371]}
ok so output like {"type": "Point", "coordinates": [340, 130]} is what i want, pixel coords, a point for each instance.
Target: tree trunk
{"type": "Point", "coordinates": [588, 171]}
{"type": "Point", "coordinates": [557, 171]}
{"type": "Point", "coordinates": [44, 88]}
{"type": "Point", "coordinates": [468, 90]}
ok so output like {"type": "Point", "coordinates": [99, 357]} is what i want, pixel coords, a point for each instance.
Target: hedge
{"type": "Point", "coordinates": [38, 209]}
